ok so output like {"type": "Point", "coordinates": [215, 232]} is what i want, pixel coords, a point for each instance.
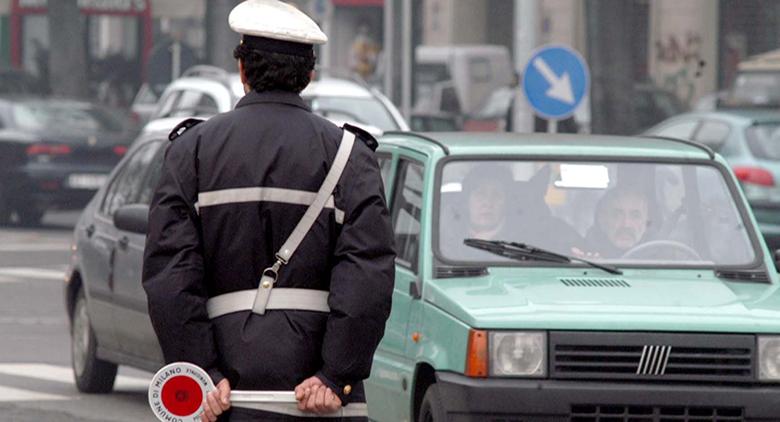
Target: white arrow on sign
{"type": "Point", "coordinates": [560, 88]}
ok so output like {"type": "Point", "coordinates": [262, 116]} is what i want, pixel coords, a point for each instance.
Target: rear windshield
{"type": "Point", "coordinates": [764, 141]}
{"type": "Point", "coordinates": [64, 117]}
{"type": "Point", "coordinates": [368, 111]}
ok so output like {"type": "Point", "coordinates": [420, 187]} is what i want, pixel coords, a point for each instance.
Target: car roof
{"type": "Point", "coordinates": [543, 144]}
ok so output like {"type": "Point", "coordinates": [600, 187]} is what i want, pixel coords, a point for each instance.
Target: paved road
{"type": "Point", "coordinates": [36, 382]}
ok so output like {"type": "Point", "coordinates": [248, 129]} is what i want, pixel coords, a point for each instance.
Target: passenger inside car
{"type": "Point", "coordinates": [493, 206]}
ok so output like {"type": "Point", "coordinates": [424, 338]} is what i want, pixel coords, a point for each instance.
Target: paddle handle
{"type": "Point", "coordinates": [249, 396]}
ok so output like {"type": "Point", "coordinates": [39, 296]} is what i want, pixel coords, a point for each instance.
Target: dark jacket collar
{"type": "Point", "coordinates": [279, 97]}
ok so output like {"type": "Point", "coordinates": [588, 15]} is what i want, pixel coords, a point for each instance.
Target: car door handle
{"type": "Point", "coordinates": [123, 242]}
{"type": "Point", "coordinates": [90, 230]}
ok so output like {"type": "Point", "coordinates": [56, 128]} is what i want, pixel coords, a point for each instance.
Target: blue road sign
{"type": "Point", "coordinates": [555, 81]}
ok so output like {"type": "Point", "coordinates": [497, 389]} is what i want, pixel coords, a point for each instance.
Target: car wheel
{"type": "Point", "coordinates": [431, 409]}
{"type": "Point", "coordinates": [5, 208]}
{"type": "Point", "coordinates": [92, 375]}
{"type": "Point", "coordinates": [30, 215]}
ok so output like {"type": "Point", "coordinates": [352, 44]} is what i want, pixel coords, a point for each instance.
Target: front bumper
{"type": "Point", "coordinates": [493, 400]}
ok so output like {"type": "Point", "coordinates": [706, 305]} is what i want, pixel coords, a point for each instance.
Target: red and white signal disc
{"type": "Point", "coordinates": [177, 391]}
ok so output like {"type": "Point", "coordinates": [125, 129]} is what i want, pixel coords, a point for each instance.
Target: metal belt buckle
{"type": "Point", "coordinates": [270, 275]}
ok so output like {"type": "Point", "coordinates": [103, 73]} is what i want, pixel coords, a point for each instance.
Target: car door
{"type": "Point", "coordinates": [134, 328]}
{"type": "Point", "coordinates": [98, 250]}
{"type": "Point", "coordinates": [393, 368]}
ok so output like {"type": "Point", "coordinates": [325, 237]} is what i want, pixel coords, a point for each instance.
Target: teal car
{"type": "Point", "coordinates": [573, 278]}
{"type": "Point", "coordinates": [750, 141]}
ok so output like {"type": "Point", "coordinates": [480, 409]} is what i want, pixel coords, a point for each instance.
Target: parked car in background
{"type": "Point", "coordinates": [750, 141]}
{"type": "Point", "coordinates": [494, 318]}
{"type": "Point", "coordinates": [459, 78]}
{"type": "Point", "coordinates": [757, 83]}
{"type": "Point", "coordinates": [54, 153]}
{"type": "Point", "coordinates": [204, 91]}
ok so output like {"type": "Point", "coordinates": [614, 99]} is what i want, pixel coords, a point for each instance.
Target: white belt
{"type": "Point", "coordinates": [279, 298]}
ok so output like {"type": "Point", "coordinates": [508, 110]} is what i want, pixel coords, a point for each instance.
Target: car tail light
{"type": "Point", "coordinates": [48, 149]}
{"type": "Point", "coordinates": [477, 354]}
{"type": "Point", "coordinates": [120, 150]}
{"type": "Point", "coordinates": [754, 175]}
{"type": "Point", "coordinates": [758, 184]}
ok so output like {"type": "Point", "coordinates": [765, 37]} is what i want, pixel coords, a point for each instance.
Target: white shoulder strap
{"type": "Point", "coordinates": [326, 190]}
{"type": "Point", "coordinates": [302, 228]}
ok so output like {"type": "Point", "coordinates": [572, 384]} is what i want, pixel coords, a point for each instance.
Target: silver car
{"type": "Point", "coordinates": [204, 91]}
{"type": "Point", "coordinates": [106, 303]}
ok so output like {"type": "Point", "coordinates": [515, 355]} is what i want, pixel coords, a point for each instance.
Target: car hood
{"type": "Point", "coordinates": [674, 300]}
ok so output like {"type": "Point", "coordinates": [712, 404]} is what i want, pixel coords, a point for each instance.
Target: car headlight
{"type": "Point", "coordinates": [769, 358]}
{"type": "Point", "coordinates": [519, 354]}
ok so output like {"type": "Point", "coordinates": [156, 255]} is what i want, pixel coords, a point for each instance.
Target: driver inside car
{"type": "Point", "coordinates": [621, 223]}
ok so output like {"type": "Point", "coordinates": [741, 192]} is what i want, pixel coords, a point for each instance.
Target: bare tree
{"type": "Point", "coordinates": [67, 49]}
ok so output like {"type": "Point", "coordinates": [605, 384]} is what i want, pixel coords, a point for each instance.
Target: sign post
{"type": "Point", "coordinates": [555, 80]}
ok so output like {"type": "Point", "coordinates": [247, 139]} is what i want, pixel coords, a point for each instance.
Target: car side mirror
{"type": "Point", "coordinates": [133, 218]}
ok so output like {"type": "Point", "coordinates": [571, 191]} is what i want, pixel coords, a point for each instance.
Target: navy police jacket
{"type": "Point", "coordinates": [194, 252]}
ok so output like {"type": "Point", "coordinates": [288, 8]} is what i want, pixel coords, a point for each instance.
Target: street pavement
{"type": "Point", "coordinates": [36, 381]}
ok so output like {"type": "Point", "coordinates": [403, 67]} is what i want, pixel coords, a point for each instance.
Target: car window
{"type": "Point", "coordinates": [763, 139]}
{"type": "Point", "coordinates": [193, 103]}
{"type": "Point", "coordinates": [681, 130]}
{"type": "Point", "coordinates": [406, 206]}
{"type": "Point", "coordinates": [479, 70]}
{"type": "Point", "coordinates": [167, 103]}
{"type": "Point", "coordinates": [126, 186]}
{"type": "Point", "coordinates": [152, 177]}
{"type": "Point", "coordinates": [358, 110]}
{"type": "Point", "coordinates": [65, 116]}
{"type": "Point", "coordinates": [713, 134]}
{"type": "Point", "coordinates": [385, 165]}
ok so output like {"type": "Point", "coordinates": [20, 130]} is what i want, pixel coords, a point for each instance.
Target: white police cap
{"type": "Point", "coordinates": [274, 20]}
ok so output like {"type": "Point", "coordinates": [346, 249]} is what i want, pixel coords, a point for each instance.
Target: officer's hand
{"type": "Point", "coordinates": [314, 396]}
{"type": "Point", "coordinates": [216, 402]}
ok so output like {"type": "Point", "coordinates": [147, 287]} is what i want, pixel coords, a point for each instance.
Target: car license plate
{"type": "Point", "coordinates": [86, 181]}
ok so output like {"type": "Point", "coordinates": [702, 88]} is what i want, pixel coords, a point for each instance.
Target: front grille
{"type": "Point", "coordinates": [652, 356]}
{"type": "Point", "coordinates": [619, 413]}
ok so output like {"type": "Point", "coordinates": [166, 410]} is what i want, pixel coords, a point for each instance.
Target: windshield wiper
{"type": "Point", "coordinates": [525, 252]}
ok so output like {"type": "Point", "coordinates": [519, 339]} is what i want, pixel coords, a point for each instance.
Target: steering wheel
{"type": "Point", "coordinates": [660, 248]}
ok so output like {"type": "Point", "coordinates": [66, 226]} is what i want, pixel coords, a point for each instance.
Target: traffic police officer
{"type": "Point", "coordinates": [238, 281]}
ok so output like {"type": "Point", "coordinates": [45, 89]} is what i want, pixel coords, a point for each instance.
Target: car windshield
{"type": "Point", "coordinates": [64, 117]}
{"type": "Point", "coordinates": [358, 110]}
{"type": "Point", "coordinates": [764, 140]}
{"type": "Point", "coordinates": [616, 212]}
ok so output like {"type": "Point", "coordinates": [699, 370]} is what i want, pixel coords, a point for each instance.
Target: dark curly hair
{"type": "Point", "coordinates": [266, 71]}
